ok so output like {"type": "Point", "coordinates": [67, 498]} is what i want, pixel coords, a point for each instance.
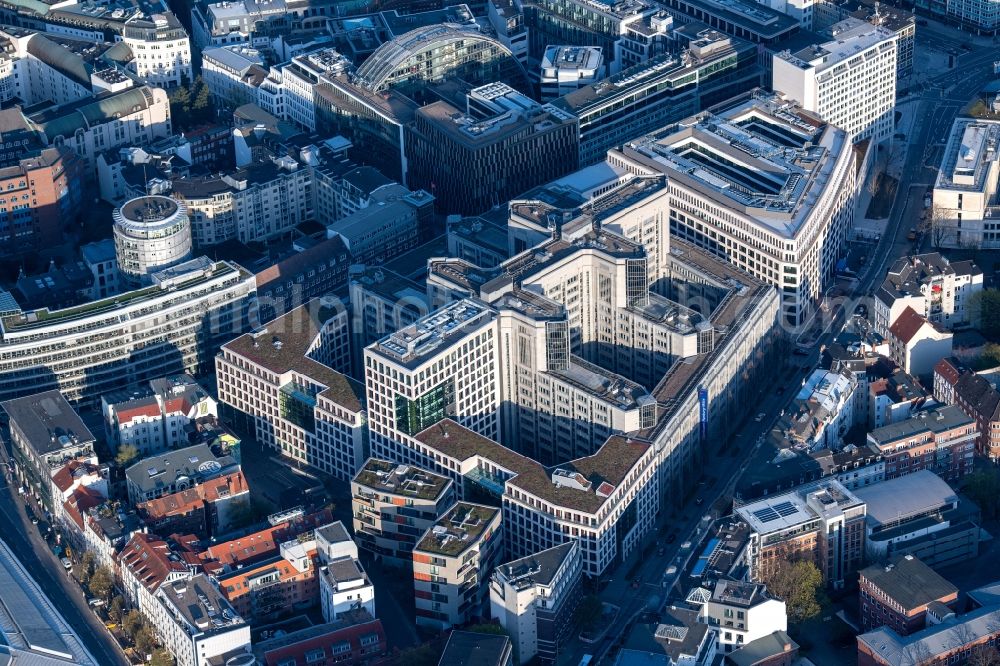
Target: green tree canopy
{"type": "Point", "coordinates": [798, 583]}
{"type": "Point", "coordinates": [102, 583]}
{"type": "Point", "coordinates": [132, 622]}
{"type": "Point", "coordinates": [126, 454]}
{"type": "Point", "coordinates": [161, 657]}
{"type": "Point", "coordinates": [116, 609]}
{"type": "Point", "coordinates": [983, 488]}
{"type": "Point", "coordinates": [144, 641]}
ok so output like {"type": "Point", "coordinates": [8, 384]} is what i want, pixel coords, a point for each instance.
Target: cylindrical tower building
{"type": "Point", "coordinates": [151, 233]}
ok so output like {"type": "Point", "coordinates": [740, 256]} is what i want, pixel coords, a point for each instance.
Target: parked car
{"type": "Point", "coordinates": [94, 602]}
{"type": "Point", "coordinates": [67, 564]}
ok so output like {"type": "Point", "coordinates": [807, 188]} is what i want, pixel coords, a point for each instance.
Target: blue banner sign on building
{"type": "Point", "coordinates": [703, 411]}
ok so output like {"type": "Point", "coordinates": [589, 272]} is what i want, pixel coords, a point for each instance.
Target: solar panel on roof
{"type": "Point", "coordinates": [785, 509]}
{"type": "Point", "coordinates": [766, 515]}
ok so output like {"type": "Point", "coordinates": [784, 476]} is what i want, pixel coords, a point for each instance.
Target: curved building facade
{"type": "Point", "coordinates": [440, 51]}
{"type": "Point", "coordinates": [151, 233]}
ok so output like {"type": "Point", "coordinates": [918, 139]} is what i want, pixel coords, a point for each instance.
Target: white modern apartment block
{"type": "Point", "coordinates": [762, 184]}
{"type": "Point", "coordinates": [160, 49]}
{"type": "Point", "coordinates": [298, 78]}
{"type": "Point", "coordinates": [175, 325]}
{"type": "Point", "coordinates": [534, 599]}
{"type": "Point", "coordinates": [344, 585]}
{"type": "Point", "coordinates": [966, 208]}
{"type": "Point", "coordinates": [232, 73]}
{"type": "Point", "coordinates": [284, 381]}
{"type": "Point", "coordinates": [932, 286]}
{"type": "Point", "coordinates": [849, 81]}
{"type": "Point", "coordinates": [740, 613]}
{"type": "Point", "coordinates": [197, 625]}
{"type": "Point", "coordinates": [567, 68]}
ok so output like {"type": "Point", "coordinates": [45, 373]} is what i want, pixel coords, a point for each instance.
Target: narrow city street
{"type": "Point", "coordinates": [27, 544]}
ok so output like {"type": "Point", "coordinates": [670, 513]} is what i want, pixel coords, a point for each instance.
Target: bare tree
{"type": "Point", "coordinates": [984, 655]}
{"type": "Point", "coordinates": [940, 224]}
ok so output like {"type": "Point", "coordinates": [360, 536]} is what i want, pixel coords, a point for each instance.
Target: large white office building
{"type": "Point", "coordinates": [849, 81]}
{"type": "Point", "coordinates": [762, 184]}
{"type": "Point", "coordinates": [966, 208]}
{"type": "Point", "coordinates": [284, 379]}
{"type": "Point", "coordinates": [174, 325]}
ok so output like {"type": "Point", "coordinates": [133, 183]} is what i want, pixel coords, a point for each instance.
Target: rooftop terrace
{"type": "Point", "coordinates": [458, 529]}
{"type": "Point", "coordinates": [112, 305]}
{"type": "Point", "coordinates": [405, 480]}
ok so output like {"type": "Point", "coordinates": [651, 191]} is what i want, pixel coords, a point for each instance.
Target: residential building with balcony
{"type": "Point", "coordinates": [158, 417]}
{"type": "Point", "coordinates": [452, 562]}
{"type": "Point", "coordinates": [207, 509]}
{"type": "Point", "coordinates": [196, 624]}
{"type": "Point", "coordinates": [144, 564]}
{"type": "Point", "coordinates": [394, 505]}
{"type": "Point", "coordinates": [740, 613]}
{"type": "Point", "coordinates": [932, 286]}
{"type": "Point", "coordinates": [345, 588]}
{"type": "Point", "coordinates": [288, 581]}
{"type": "Point", "coordinates": [941, 439]}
